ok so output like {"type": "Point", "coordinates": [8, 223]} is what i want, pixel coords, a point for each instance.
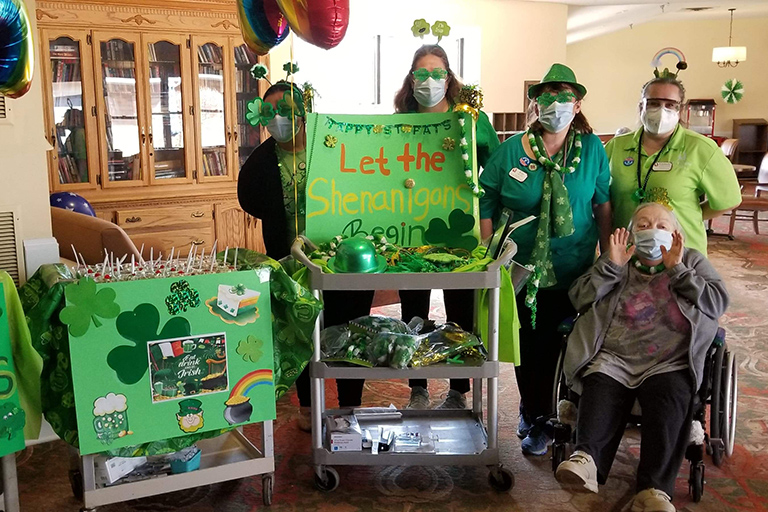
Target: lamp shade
{"type": "Point", "coordinates": [729, 54]}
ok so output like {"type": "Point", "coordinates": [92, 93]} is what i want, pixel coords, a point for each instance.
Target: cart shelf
{"type": "Point", "coordinates": [436, 371]}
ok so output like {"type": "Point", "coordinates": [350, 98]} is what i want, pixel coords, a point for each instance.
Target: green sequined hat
{"type": "Point", "coordinates": [557, 73]}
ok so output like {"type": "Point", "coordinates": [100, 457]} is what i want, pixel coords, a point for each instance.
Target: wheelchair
{"type": "Point", "coordinates": [719, 390]}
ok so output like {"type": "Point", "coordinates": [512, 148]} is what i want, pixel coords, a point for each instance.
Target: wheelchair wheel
{"type": "Point", "coordinates": [559, 388]}
{"type": "Point", "coordinates": [716, 410]}
{"type": "Point", "coordinates": [731, 383]}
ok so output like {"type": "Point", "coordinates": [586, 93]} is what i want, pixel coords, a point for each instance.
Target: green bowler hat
{"type": "Point", "coordinates": [558, 73]}
{"type": "Point", "coordinates": [357, 255]}
{"type": "Point", "coordinates": [190, 406]}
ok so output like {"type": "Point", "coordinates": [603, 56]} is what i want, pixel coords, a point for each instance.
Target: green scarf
{"type": "Point", "coordinates": [556, 218]}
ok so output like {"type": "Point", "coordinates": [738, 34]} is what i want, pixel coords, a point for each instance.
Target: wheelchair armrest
{"type": "Point", "coordinates": [719, 340]}
{"type": "Point", "coordinates": [566, 326]}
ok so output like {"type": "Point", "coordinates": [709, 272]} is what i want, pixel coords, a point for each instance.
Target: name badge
{"type": "Point", "coordinates": [518, 174]}
{"type": "Point", "coordinates": [662, 166]}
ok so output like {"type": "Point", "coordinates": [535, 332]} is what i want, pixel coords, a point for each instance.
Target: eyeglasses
{"type": "Point", "coordinates": [422, 74]}
{"type": "Point", "coordinates": [548, 98]}
{"type": "Point", "coordinates": [662, 103]}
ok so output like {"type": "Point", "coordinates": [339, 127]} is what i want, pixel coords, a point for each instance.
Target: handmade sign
{"type": "Point", "coordinates": [405, 176]}
{"type": "Point", "coordinates": [12, 416]}
{"type": "Point", "coordinates": [160, 358]}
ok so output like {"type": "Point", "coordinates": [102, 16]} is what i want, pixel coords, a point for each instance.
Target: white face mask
{"type": "Point", "coordinates": [282, 128]}
{"type": "Point", "coordinates": [430, 92]}
{"type": "Point", "coordinates": [648, 243]}
{"type": "Point", "coordinates": [557, 116]}
{"type": "Point", "coordinates": [659, 120]}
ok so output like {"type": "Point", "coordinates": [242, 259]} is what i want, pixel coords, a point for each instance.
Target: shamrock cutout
{"type": "Point", "coordinates": [449, 144]}
{"type": "Point", "coordinates": [140, 327]}
{"type": "Point", "coordinates": [439, 233]}
{"type": "Point", "coordinates": [420, 28]}
{"type": "Point", "coordinates": [259, 71]}
{"type": "Point", "coordinates": [259, 112]}
{"type": "Point", "coordinates": [250, 349]}
{"type": "Point", "coordinates": [330, 141]}
{"type": "Point", "coordinates": [87, 305]}
{"type": "Point", "coordinates": [440, 29]}
{"type": "Point", "coordinates": [182, 297]}
{"type": "Point", "coordinates": [290, 104]}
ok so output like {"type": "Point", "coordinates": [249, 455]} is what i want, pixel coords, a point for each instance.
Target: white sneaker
{"type": "Point", "coordinates": [578, 471]}
{"type": "Point", "coordinates": [419, 398]}
{"type": "Point", "coordinates": [652, 500]}
{"type": "Point", "coordinates": [454, 400]}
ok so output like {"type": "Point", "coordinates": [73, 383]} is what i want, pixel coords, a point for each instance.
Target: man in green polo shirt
{"type": "Point", "coordinates": [666, 163]}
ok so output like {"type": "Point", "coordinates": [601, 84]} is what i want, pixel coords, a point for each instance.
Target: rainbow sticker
{"type": "Point", "coordinates": [250, 381]}
{"type": "Point", "coordinates": [656, 62]}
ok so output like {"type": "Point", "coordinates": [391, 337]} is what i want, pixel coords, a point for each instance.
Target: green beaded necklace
{"type": "Point", "coordinates": [574, 141]}
{"type": "Point", "coordinates": [646, 269]}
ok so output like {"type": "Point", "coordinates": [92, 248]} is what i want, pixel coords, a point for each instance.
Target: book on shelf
{"type": "Point", "coordinates": [61, 51]}
{"type": "Point", "coordinates": [68, 171]}
{"type": "Point", "coordinates": [209, 54]}
{"type": "Point", "coordinates": [244, 56]}
{"type": "Point", "coordinates": [116, 50]}
{"type": "Point", "coordinates": [64, 71]}
{"type": "Point", "coordinates": [214, 162]}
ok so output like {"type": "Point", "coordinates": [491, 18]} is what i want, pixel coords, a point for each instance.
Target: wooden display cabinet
{"type": "Point", "coordinates": [145, 113]}
{"type": "Point", "coordinates": [753, 140]}
{"type": "Point", "coordinates": [508, 124]}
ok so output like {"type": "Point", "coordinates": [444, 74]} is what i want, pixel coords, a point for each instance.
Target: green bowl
{"type": "Point", "coordinates": [357, 255]}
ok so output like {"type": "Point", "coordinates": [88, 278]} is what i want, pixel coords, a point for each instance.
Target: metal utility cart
{"type": "Point", "coordinates": [465, 439]}
{"type": "Point", "coordinates": [226, 457]}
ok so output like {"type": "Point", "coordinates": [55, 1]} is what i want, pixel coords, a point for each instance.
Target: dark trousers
{"type": "Point", "coordinates": [459, 308]}
{"type": "Point", "coordinates": [339, 307]}
{"type": "Point", "coordinates": [665, 400]}
{"type": "Point", "coordinates": [539, 350]}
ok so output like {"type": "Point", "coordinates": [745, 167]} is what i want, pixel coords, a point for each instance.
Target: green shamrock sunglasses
{"type": "Point", "coordinates": [422, 74]}
{"type": "Point", "coordinates": [548, 98]}
{"type": "Point", "coordinates": [262, 112]}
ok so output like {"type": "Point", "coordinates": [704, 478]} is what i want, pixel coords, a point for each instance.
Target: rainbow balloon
{"type": "Point", "coordinates": [16, 51]}
{"type": "Point", "coordinates": [250, 381]}
{"type": "Point", "coordinates": [322, 23]}
{"type": "Point", "coordinates": [262, 24]}
{"type": "Point", "coordinates": [656, 61]}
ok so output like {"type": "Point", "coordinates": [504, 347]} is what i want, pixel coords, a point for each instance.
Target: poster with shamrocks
{"type": "Point", "coordinates": [160, 358]}
{"type": "Point", "coordinates": [406, 177]}
{"type": "Point", "coordinates": [12, 418]}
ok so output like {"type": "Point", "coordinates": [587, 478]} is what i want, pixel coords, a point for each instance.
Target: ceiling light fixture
{"type": "Point", "coordinates": [729, 56]}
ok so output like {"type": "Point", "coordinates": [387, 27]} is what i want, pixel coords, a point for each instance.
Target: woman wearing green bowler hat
{"type": "Point", "coordinates": [265, 190]}
{"type": "Point", "coordinates": [557, 171]}
{"type": "Point", "coordinates": [431, 86]}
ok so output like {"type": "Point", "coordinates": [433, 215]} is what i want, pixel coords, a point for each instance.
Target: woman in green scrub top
{"type": "Point", "coordinates": [669, 164]}
{"type": "Point", "coordinates": [431, 86]}
{"type": "Point", "coordinates": [557, 170]}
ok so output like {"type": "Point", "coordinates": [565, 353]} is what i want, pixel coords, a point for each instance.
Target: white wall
{"type": "Point", "coordinates": [23, 166]}
{"type": "Point", "coordinates": [505, 27]}
{"type": "Point", "coordinates": [615, 66]}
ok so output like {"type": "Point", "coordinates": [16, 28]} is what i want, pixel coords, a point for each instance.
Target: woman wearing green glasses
{"type": "Point", "coordinates": [431, 86]}
{"type": "Point", "coordinates": [557, 171]}
{"type": "Point", "coordinates": [266, 190]}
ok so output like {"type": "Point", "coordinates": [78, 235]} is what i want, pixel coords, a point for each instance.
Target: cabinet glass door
{"type": "Point", "coordinates": [214, 133]}
{"type": "Point", "coordinates": [247, 137]}
{"type": "Point", "coordinates": [74, 164]}
{"type": "Point", "coordinates": [169, 142]}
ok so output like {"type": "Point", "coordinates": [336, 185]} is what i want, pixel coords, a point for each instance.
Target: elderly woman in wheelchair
{"type": "Point", "coordinates": [649, 309]}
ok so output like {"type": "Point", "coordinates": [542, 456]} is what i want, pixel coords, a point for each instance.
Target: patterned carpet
{"type": "Point", "coordinates": [740, 484]}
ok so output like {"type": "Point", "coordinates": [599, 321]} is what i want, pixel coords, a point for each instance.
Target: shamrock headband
{"type": "Point", "coordinates": [422, 28]}
{"type": "Point", "coordinates": [666, 73]}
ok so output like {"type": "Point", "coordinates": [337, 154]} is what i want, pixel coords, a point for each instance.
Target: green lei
{"type": "Point", "coordinates": [555, 204]}
{"type": "Point", "coordinates": [645, 269]}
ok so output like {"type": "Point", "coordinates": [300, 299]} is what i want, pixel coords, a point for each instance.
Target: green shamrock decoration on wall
{"type": "Point", "coordinates": [438, 233]}
{"type": "Point", "coordinates": [87, 305]}
{"type": "Point", "coordinates": [732, 91]}
{"type": "Point", "coordinates": [140, 327]}
{"type": "Point", "coordinates": [250, 349]}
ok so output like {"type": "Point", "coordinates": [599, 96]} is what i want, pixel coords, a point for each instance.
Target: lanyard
{"type": "Point", "coordinates": [639, 193]}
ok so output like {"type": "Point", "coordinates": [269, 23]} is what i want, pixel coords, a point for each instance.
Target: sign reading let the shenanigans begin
{"type": "Point", "coordinates": [401, 176]}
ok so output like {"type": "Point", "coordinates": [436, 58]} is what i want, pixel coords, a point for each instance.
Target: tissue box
{"type": "Point", "coordinates": [110, 470]}
{"type": "Point", "coordinates": [344, 433]}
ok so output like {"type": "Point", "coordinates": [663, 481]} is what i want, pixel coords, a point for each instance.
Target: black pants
{"type": "Point", "coordinates": [665, 400]}
{"type": "Point", "coordinates": [539, 350]}
{"type": "Point", "coordinates": [459, 308]}
{"type": "Point", "coordinates": [339, 307]}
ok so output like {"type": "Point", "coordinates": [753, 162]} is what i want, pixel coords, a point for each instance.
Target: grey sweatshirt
{"type": "Point", "coordinates": [694, 283]}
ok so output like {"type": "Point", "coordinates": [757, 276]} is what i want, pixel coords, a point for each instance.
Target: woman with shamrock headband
{"type": "Point", "coordinates": [266, 190]}
{"type": "Point", "coordinates": [557, 171]}
{"type": "Point", "coordinates": [431, 86]}
{"type": "Point", "coordinates": [663, 161]}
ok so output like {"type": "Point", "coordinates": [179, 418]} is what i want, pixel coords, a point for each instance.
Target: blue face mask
{"type": "Point", "coordinates": [557, 116]}
{"type": "Point", "coordinates": [648, 243]}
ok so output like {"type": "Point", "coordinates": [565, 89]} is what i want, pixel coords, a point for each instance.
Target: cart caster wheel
{"type": "Point", "coordinates": [267, 482]}
{"type": "Point", "coordinates": [330, 482]}
{"type": "Point", "coordinates": [558, 455]}
{"type": "Point", "coordinates": [696, 482]}
{"type": "Point", "coordinates": [501, 479]}
{"type": "Point", "coordinates": [76, 483]}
